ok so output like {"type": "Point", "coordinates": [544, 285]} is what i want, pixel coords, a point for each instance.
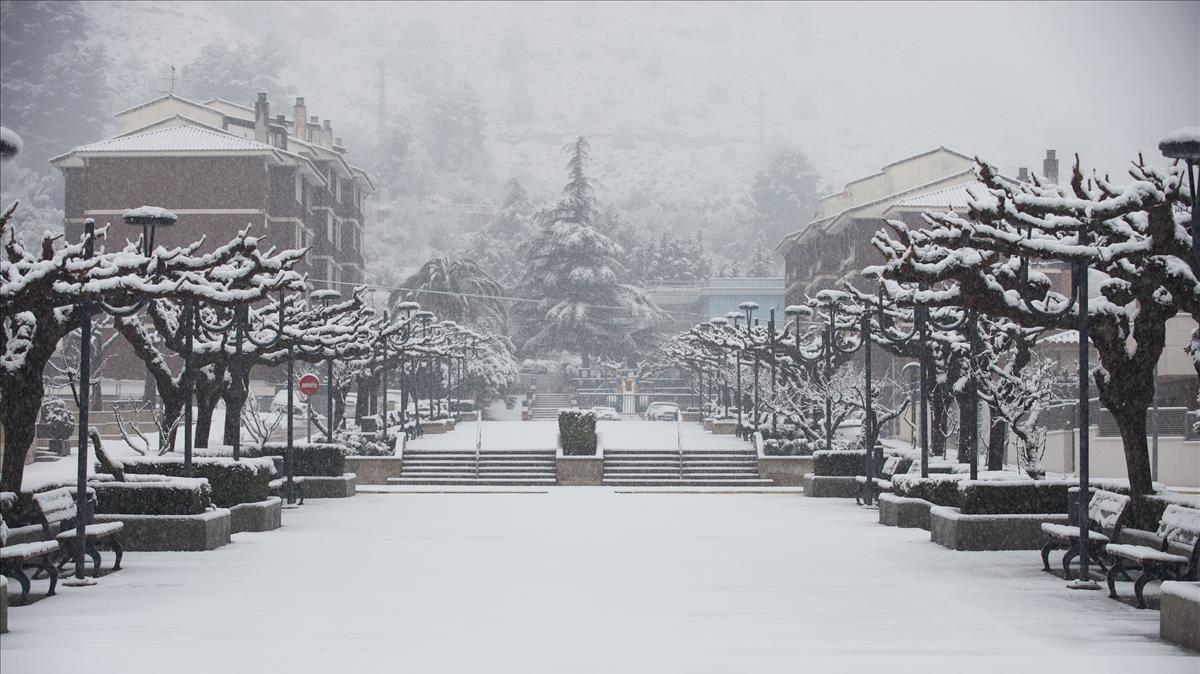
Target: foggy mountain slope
{"type": "Point", "coordinates": [669, 93]}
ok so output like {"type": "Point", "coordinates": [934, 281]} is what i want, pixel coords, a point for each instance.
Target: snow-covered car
{"type": "Point", "coordinates": [606, 414]}
{"type": "Point", "coordinates": [661, 412]}
{"type": "Point", "coordinates": [279, 403]}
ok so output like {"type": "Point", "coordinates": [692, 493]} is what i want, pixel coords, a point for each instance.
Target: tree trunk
{"type": "Point", "coordinates": [230, 430]}
{"type": "Point", "coordinates": [362, 402]}
{"type": "Point", "coordinates": [22, 402]}
{"type": "Point", "coordinates": [172, 400]}
{"type": "Point", "coordinates": [208, 393]}
{"type": "Point", "coordinates": [997, 440]}
{"type": "Point", "coordinates": [939, 422]}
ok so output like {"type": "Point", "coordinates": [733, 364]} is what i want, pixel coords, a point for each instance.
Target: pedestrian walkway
{"type": "Point", "coordinates": [584, 580]}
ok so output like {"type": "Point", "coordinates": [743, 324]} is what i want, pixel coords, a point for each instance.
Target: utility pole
{"type": "Point", "coordinates": [382, 105]}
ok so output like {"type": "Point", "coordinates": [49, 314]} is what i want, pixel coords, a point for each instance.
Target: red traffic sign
{"type": "Point", "coordinates": [309, 384]}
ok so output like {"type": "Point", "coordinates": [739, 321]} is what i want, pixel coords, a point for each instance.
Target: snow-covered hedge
{"type": "Point", "coordinates": [312, 459]}
{"type": "Point", "coordinates": [160, 495]}
{"type": "Point", "coordinates": [1013, 497]}
{"type": "Point", "coordinates": [940, 489]}
{"type": "Point", "coordinates": [775, 447]}
{"type": "Point", "coordinates": [57, 420]}
{"type": "Point", "coordinates": [232, 482]}
{"type": "Point", "coordinates": [838, 462]}
{"type": "Point", "coordinates": [577, 432]}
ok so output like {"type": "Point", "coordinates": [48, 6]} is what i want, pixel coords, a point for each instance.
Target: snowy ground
{"type": "Point", "coordinates": [628, 433]}
{"type": "Point", "coordinates": [584, 580]}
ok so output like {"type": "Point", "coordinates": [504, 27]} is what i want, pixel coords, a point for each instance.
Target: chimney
{"type": "Point", "coordinates": [262, 117]}
{"type": "Point", "coordinates": [338, 142]}
{"type": "Point", "coordinates": [299, 114]}
{"type": "Point", "coordinates": [1023, 174]}
{"type": "Point", "coordinates": [327, 134]}
{"type": "Point", "coordinates": [314, 135]}
{"type": "Point", "coordinates": [1050, 166]}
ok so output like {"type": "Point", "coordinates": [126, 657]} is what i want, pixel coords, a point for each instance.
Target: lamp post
{"type": "Point", "coordinates": [425, 318]}
{"type": "Point", "coordinates": [1185, 144]}
{"type": "Point", "coordinates": [407, 309]}
{"type": "Point", "coordinates": [774, 412]}
{"type": "Point", "coordinates": [325, 297]}
{"type": "Point", "coordinates": [1077, 301]}
{"type": "Point", "coordinates": [735, 317]}
{"type": "Point", "coordinates": [719, 321]}
{"type": "Point", "coordinates": [148, 219]}
{"type": "Point", "coordinates": [750, 308]}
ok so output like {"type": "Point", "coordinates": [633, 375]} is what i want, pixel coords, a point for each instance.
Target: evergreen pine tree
{"type": "Point", "coordinates": [573, 271]}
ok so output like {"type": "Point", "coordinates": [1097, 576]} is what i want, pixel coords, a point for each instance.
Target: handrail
{"type": "Point", "coordinates": [679, 440]}
{"type": "Point", "coordinates": [478, 440]}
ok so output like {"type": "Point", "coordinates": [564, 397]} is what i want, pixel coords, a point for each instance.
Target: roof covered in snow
{"type": "Point", "coordinates": [176, 139]}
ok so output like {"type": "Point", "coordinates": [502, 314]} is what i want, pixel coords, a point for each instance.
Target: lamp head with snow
{"type": "Point", "coordinates": [149, 218]}
{"type": "Point", "coordinates": [828, 297]}
{"type": "Point", "coordinates": [407, 308]}
{"type": "Point", "coordinates": [748, 306]}
{"type": "Point", "coordinates": [10, 143]}
{"type": "Point", "coordinates": [719, 320]}
{"type": "Point", "coordinates": [798, 310]}
{"type": "Point", "coordinates": [1182, 144]}
{"type": "Point", "coordinates": [324, 295]}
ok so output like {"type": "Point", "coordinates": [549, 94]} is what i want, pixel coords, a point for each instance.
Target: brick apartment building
{"type": "Point", "coordinates": [219, 167]}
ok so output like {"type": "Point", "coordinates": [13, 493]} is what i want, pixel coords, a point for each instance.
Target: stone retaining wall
{"type": "Point", "coordinates": [374, 469]}
{"type": "Point", "coordinates": [1179, 614]}
{"type": "Point", "coordinates": [950, 528]}
{"type": "Point", "coordinates": [206, 531]}
{"type": "Point", "coordinates": [329, 487]}
{"type": "Point", "coordinates": [823, 486]}
{"type": "Point", "coordinates": [788, 471]}
{"type": "Point", "coordinates": [261, 516]}
{"type": "Point", "coordinates": [579, 470]}
{"type": "Point", "coordinates": [905, 513]}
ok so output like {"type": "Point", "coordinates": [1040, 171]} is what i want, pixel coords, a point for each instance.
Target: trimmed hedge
{"type": "Point", "coordinates": [937, 489]}
{"type": "Point", "coordinates": [312, 459]}
{"type": "Point", "coordinates": [839, 462]}
{"type": "Point", "coordinates": [168, 496]}
{"type": "Point", "coordinates": [577, 432]}
{"type": "Point", "coordinates": [232, 482]}
{"type": "Point", "coordinates": [1014, 497]}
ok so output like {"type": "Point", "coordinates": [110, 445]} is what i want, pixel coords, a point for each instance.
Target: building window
{"type": "Point", "coordinates": [329, 226]}
{"type": "Point", "coordinates": [299, 187]}
{"type": "Point", "coordinates": [338, 190]}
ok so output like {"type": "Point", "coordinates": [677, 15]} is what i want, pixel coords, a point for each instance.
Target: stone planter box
{"type": "Point", "coordinates": [3, 605]}
{"type": "Point", "coordinates": [262, 516]}
{"type": "Point", "coordinates": [824, 486]}
{"type": "Point", "coordinates": [206, 531]}
{"type": "Point", "coordinates": [690, 416]}
{"type": "Point", "coordinates": [437, 427]}
{"type": "Point", "coordinates": [580, 470]}
{"type": "Point", "coordinates": [905, 513]}
{"type": "Point", "coordinates": [1179, 614]}
{"type": "Point", "coordinates": [724, 427]}
{"type": "Point", "coordinates": [329, 487]}
{"type": "Point", "coordinates": [374, 469]}
{"type": "Point", "coordinates": [951, 529]}
{"type": "Point", "coordinates": [787, 471]}
{"type": "Point", "coordinates": [707, 424]}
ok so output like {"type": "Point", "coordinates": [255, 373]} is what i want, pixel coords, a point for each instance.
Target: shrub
{"type": "Point", "coordinates": [312, 459]}
{"type": "Point", "coordinates": [1013, 497]}
{"type": "Point", "coordinates": [787, 448]}
{"type": "Point", "coordinates": [359, 444]}
{"type": "Point", "coordinates": [158, 496]}
{"type": "Point", "coordinates": [577, 432]}
{"type": "Point", "coordinates": [57, 421]}
{"type": "Point", "coordinates": [838, 463]}
{"type": "Point", "coordinates": [232, 482]}
{"type": "Point", "coordinates": [937, 489]}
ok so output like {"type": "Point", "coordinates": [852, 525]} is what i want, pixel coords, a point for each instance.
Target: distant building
{"type": "Point", "coordinates": [220, 166]}
{"type": "Point", "coordinates": [690, 303]}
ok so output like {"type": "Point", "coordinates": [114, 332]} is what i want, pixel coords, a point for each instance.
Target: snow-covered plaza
{"type": "Point", "coordinates": [584, 579]}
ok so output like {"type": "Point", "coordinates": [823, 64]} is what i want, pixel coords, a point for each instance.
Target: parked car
{"type": "Point", "coordinates": [279, 403]}
{"type": "Point", "coordinates": [661, 412]}
{"type": "Point", "coordinates": [606, 413]}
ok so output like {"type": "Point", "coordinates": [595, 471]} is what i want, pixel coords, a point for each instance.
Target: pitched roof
{"type": "Point", "coordinates": [952, 197]}
{"type": "Point", "coordinates": [177, 139]}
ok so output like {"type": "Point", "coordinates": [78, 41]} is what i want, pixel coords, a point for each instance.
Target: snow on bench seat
{"type": "Point", "coordinates": [28, 550]}
{"type": "Point", "coordinates": [1142, 553]}
{"type": "Point", "coordinates": [1070, 532]}
{"type": "Point", "coordinates": [93, 531]}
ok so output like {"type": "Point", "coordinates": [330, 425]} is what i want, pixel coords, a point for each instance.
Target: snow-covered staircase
{"type": "Point", "coordinates": [547, 405]}
{"type": "Point", "coordinates": [494, 468]}
{"type": "Point", "coordinates": [664, 468]}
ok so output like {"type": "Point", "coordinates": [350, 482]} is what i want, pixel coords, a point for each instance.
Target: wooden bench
{"type": "Point", "coordinates": [58, 513]}
{"type": "Point", "coordinates": [1179, 531]}
{"type": "Point", "coordinates": [278, 487]}
{"type": "Point", "coordinates": [14, 559]}
{"type": "Point", "coordinates": [881, 484]}
{"type": "Point", "coordinates": [1106, 516]}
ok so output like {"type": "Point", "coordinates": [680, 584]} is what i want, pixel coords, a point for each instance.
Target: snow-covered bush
{"type": "Point", "coordinates": [165, 496]}
{"type": "Point", "coordinates": [1013, 497]}
{"type": "Point", "coordinates": [937, 489]}
{"type": "Point", "coordinates": [232, 482]}
{"type": "Point", "coordinates": [577, 432]}
{"type": "Point", "coordinates": [838, 463]}
{"type": "Point", "coordinates": [57, 421]}
{"type": "Point", "coordinates": [358, 444]}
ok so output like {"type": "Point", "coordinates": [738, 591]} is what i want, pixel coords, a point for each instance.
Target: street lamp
{"type": "Point", "coordinates": [407, 309]}
{"type": "Point", "coordinates": [325, 297]}
{"type": "Point", "coordinates": [10, 144]}
{"type": "Point", "coordinates": [1078, 301]}
{"type": "Point", "coordinates": [1185, 144]}
{"type": "Point", "coordinates": [735, 317]}
{"type": "Point", "coordinates": [723, 321]}
{"type": "Point", "coordinates": [750, 308]}
{"type": "Point", "coordinates": [425, 318]}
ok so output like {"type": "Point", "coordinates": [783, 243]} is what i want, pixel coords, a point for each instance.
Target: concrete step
{"type": "Point", "coordinates": [455, 482]}
{"type": "Point", "coordinates": [689, 482]}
